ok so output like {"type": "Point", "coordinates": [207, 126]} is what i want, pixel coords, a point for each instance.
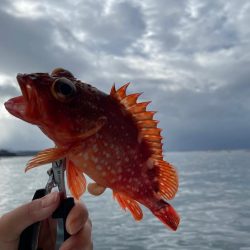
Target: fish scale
{"type": "Point", "coordinates": [112, 138]}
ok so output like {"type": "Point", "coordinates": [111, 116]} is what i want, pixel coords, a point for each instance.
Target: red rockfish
{"type": "Point", "coordinates": [112, 138]}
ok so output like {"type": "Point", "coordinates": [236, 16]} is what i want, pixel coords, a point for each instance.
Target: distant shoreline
{"type": "Point", "coordinates": [7, 153]}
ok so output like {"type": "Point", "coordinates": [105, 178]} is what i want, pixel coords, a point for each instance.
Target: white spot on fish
{"type": "Point", "coordinates": [94, 159]}
{"type": "Point", "coordinates": [98, 167]}
{"type": "Point", "coordinates": [85, 156]}
{"type": "Point", "coordinates": [95, 148]}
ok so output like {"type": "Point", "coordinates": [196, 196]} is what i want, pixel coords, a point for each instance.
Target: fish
{"type": "Point", "coordinates": [112, 138]}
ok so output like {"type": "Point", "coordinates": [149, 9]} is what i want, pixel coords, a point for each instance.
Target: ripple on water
{"type": "Point", "coordinates": [213, 201]}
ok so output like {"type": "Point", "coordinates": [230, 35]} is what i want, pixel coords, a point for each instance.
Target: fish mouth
{"type": "Point", "coordinates": [21, 106]}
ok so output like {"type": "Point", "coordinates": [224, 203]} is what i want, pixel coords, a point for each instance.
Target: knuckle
{"type": "Point", "coordinates": [90, 223]}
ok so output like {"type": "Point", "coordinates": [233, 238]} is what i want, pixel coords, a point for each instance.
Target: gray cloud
{"type": "Point", "coordinates": [191, 58]}
{"type": "Point", "coordinates": [8, 90]}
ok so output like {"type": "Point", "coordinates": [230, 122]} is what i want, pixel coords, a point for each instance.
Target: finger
{"type": "Point", "coordinates": [80, 241]}
{"type": "Point", "coordinates": [76, 218]}
{"type": "Point", "coordinates": [47, 234]}
{"type": "Point", "coordinates": [14, 222]}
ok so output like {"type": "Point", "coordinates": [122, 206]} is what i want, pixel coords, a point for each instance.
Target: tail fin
{"type": "Point", "coordinates": [166, 214]}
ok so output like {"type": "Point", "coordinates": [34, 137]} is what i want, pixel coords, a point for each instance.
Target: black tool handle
{"type": "Point", "coordinates": [62, 212]}
{"type": "Point", "coordinates": [29, 236]}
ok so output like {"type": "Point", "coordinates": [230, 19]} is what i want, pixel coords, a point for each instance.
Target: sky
{"type": "Point", "coordinates": [191, 58]}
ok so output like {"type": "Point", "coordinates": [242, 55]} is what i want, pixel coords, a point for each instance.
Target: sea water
{"type": "Point", "coordinates": [213, 201]}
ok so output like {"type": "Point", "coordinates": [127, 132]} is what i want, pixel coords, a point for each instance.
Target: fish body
{"type": "Point", "coordinates": [109, 137]}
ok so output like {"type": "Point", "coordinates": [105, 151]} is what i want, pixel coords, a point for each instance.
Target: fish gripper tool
{"type": "Point", "coordinates": [30, 236]}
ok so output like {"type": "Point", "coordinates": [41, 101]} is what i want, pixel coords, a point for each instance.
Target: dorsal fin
{"type": "Point", "coordinates": [143, 118]}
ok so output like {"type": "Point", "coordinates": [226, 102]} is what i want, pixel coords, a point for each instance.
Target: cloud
{"type": "Point", "coordinates": [191, 58]}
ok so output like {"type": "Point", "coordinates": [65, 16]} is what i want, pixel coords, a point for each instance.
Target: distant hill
{"type": "Point", "coordinates": [4, 152]}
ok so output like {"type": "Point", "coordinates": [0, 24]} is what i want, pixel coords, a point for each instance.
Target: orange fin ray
{"type": "Point", "coordinates": [156, 145]}
{"type": "Point", "coordinates": [147, 115]}
{"type": "Point", "coordinates": [167, 178]}
{"type": "Point", "coordinates": [46, 156]}
{"type": "Point", "coordinates": [157, 156]}
{"type": "Point", "coordinates": [121, 92]}
{"type": "Point", "coordinates": [126, 202]}
{"type": "Point", "coordinates": [153, 138]}
{"type": "Point", "coordinates": [151, 131]}
{"type": "Point", "coordinates": [148, 130]}
{"type": "Point", "coordinates": [113, 90]}
{"type": "Point", "coordinates": [157, 151]}
{"type": "Point", "coordinates": [76, 180]}
{"type": "Point", "coordinates": [130, 100]}
{"type": "Point", "coordinates": [147, 123]}
{"type": "Point", "coordinates": [138, 107]}
{"type": "Point", "coordinates": [95, 189]}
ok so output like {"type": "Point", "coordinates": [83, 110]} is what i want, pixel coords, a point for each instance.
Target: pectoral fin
{"type": "Point", "coordinates": [46, 156]}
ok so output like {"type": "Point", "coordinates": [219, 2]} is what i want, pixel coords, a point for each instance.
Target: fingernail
{"type": "Point", "coordinates": [49, 199]}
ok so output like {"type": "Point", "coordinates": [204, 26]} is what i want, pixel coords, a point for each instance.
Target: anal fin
{"type": "Point", "coordinates": [76, 180]}
{"type": "Point", "coordinates": [126, 202]}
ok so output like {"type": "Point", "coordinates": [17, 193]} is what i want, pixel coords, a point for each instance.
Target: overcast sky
{"type": "Point", "coordinates": [191, 58]}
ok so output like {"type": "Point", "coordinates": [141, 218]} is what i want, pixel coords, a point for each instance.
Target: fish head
{"type": "Point", "coordinates": [60, 105]}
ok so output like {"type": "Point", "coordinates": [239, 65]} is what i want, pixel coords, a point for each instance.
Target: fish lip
{"type": "Point", "coordinates": [25, 87]}
{"type": "Point", "coordinates": [20, 106]}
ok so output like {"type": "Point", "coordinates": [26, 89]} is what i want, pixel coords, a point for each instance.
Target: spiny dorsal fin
{"type": "Point", "coordinates": [121, 92]}
{"type": "Point", "coordinates": [144, 119]}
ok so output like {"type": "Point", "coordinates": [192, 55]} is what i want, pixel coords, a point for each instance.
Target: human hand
{"type": "Point", "coordinates": [77, 224]}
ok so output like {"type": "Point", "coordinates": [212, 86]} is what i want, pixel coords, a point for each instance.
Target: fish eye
{"type": "Point", "coordinates": [63, 89]}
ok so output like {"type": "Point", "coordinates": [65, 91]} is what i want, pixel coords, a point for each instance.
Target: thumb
{"type": "Point", "coordinates": [13, 223]}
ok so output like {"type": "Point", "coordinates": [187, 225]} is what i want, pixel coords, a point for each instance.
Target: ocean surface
{"type": "Point", "coordinates": [213, 201]}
